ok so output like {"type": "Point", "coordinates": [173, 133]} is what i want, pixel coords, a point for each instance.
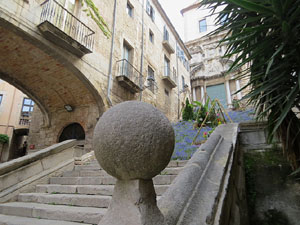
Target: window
{"type": "Point", "coordinates": [151, 79]}
{"type": "Point", "coordinates": [129, 9]}
{"type": "Point", "coordinates": [27, 107]}
{"type": "Point", "coordinates": [223, 19]}
{"type": "Point", "coordinates": [183, 82]}
{"type": "Point", "coordinates": [167, 66]}
{"type": "Point", "coordinates": [150, 10]}
{"type": "Point", "coordinates": [202, 26]}
{"type": "Point", "coordinates": [127, 59]}
{"type": "Point", "coordinates": [151, 36]}
{"type": "Point", "coordinates": [1, 96]}
{"type": "Point", "coordinates": [166, 34]}
{"type": "Point", "coordinates": [166, 92]}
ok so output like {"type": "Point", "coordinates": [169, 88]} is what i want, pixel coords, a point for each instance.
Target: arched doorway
{"type": "Point", "coordinates": [72, 131]}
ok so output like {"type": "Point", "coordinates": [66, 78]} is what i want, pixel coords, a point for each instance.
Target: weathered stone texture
{"type": "Point", "coordinates": [133, 140]}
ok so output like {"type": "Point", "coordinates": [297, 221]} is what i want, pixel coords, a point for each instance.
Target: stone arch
{"type": "Point", "coordinates": [197, 68]}
{"type": "Point", "coordinates": [52, 78]}
{"type": "Point", "coordinates": [72, 131]}
{"type": "Point", "coordinates": [20, 53]}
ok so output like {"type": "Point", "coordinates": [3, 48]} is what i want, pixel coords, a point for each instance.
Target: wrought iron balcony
{"type": "Point", "coordinates": [128, 76]}
{"type": "Point", "coordinates": [62, 28]}
{"type": "Point", "coordinates": [24, 121]}
{"type": "Point", "coordinates": [170, 77]}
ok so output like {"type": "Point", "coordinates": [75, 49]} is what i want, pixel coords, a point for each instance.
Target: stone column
{"type": "Point", "coordinates": [238, 87]}
{"type": "Point", "coordinates": [133, 141]}
{"type": "Point", "coordinates": [228, 94]}
{"type": "Point", "coordinates": [194, 94]}
{"type": "Point", "coordinates": [202, 95]}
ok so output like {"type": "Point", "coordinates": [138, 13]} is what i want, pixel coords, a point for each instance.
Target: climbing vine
{"type": "Point", "coordinates": [92, 11]}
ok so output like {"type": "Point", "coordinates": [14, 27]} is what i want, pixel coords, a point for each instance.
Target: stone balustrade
{"type": "Point", "coordinates": [22, 173]}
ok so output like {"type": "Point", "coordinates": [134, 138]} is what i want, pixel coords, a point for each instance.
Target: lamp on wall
{"type": "Point", "coordinates": [69, 108]}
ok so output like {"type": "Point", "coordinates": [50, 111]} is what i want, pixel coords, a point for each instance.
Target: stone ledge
{"type": "Point", "coordinates": [198, 191]}
{"type": "Point", "coordinates": [25, 160]}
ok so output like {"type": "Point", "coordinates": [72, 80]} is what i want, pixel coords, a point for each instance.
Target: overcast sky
{"type": "Point", "coordinates": [172, 8]}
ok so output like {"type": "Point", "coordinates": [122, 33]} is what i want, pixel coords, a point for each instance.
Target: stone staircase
{"type": "Point", "coordinates": [77, 197]}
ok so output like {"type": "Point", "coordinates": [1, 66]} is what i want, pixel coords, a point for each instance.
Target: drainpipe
{"type": "Point", "coordinates": [10, 110]}
{"type": "Point", "coordinates": [178, 88]}
{"type": "Point", "coordinates": [111, 54]}
{"type": "Point", "coordinates": [142, 54]}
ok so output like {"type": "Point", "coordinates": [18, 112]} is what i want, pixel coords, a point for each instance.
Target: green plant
{"type": "Point", "coordinates": [187, 113]}
{"type": "Point", "coordinates": [263, 40]}
{"type": "Point", "coordinates": [4, 138]}
{"type": "Point", "coordinates": [92, 11]}
{"type": "Point", "coordinates": [235, 104]}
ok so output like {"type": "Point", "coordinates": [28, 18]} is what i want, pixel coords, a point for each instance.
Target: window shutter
{"type": "Point", "coordinates": [148, 7]}
{"type": "Point", "coordinates": [153, 14]}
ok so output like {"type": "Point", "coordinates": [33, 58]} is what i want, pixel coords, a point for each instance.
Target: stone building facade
{"type": "Point", "coordinates": [57, 55]}
{"type": "Point", "coordinates": [208, 67]}
{"type": "Point", "coordinates": [15, 117]}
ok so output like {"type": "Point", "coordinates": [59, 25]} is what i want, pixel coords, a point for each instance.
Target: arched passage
{"type": "Point", "coordinates": [51, 80]}
{"type": "Point", "coordinates": [72, 131]}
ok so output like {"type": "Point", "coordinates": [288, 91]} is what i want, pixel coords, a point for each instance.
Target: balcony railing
{"type": "Point", "coordinates": [54, 14]}
{"type": "Point", "coordinates": [128, 76]}
{"type": "Point", "coordinates": [170, 77]}
{"type": "Point", "coordinates": [24, 121]}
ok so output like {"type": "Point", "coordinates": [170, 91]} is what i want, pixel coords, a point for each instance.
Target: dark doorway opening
{"type": "Point", "coordinates": [72, 131]}
{"type": "Point", "coordinates": [16, 149]}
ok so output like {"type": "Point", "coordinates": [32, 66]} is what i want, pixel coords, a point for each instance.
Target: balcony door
{"type": "Point", "coordinates": [127, 58]}
{"type": "Point", "coordinates": [167, 67]}
{"type": "Point", "coordinates": [66, 21]}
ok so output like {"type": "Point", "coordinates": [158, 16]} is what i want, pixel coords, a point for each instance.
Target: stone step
{"type": "Point", "coordinates": [75, 189]}
{"type": "Point", "coordinates": [83, 200]}
{"type": "Point", "coordinates": [171, 171]}
{"type": "Point", "coordinates": [86, 189]}
{"type": "Point", "coordinates": [17, 220]}
{"type": "Point", "coordinates": [177, 163]}
{"type": "Point", "coordinates": [96, 166]}
{"type": "Point", "coordinates": [87, 167]}
{"type": "Point", "coordinates": [100, 172]}
{"type": "Point", "coordinates": [85, 173]}
{"type": "Point", "coordinates": [159, 179]}
{"type": "Point", "coordinates": [89, 215]}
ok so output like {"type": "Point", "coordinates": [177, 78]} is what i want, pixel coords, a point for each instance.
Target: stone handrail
{"type": "Point", "coordinates": [195, 194]}
{"type": "Point", "coordinates": [21, 172]}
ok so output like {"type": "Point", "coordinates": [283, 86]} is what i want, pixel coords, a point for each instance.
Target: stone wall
{"type": "Point", "coordinates": [54, 77]}
{"type": "Point", "coordinates": [208, 68]}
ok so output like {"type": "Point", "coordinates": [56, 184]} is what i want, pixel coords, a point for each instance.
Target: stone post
{"type": "Point", "coordinates": [133, 141]}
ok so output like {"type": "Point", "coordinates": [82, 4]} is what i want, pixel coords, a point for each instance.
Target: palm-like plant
{"type": "Point", "coordinates": [264, 38]}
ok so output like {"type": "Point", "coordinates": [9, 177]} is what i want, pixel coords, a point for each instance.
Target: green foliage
{"type": "Point", "coordinates": [4, 138]}
{"type": "Point", "coordinates": [92, 11]}
{"type": "Point", "coordinates": [201, 112]}
{"type": "Point", "coordinates": [263, 39]}
{"type": "Point", "coordinates": [187, 113]}
{"type": "Point", "coordinates": [235, 104]}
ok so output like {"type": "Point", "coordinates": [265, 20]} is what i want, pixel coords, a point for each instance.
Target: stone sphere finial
{"type": "Point", "coordinates": [133, 140]}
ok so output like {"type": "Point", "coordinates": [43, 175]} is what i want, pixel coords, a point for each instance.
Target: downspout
{"type": "Point", "coordinates": [142, 54]}
{"type": "Point", "coordinates": [10, 110]}
{"type": "Point", "coordinates": [178, 88]}
{"type": "Point", "coordinates": [111, 54]}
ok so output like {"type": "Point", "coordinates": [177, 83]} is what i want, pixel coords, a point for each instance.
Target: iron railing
{"type": "Point", "coordinates": [125, 68]}
{"type": "Point", "coordinates": [57, 15]}
{"type": "Point", "coordinates": [24, 121]}
{"type": "Point", "coordinates": [168, 73]}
